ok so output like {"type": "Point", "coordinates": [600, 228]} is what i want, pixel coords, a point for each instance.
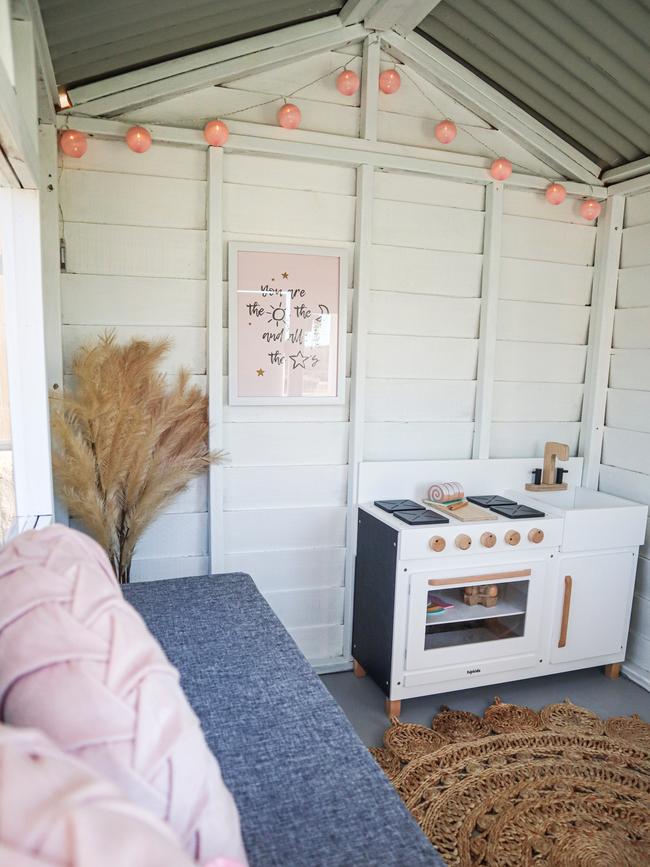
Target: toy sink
{"type": "Point", "coordinates": [593, 520]}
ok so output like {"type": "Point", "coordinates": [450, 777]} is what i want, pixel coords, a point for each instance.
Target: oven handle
{"type": "Point", "coordinates": [494, 576]}
{"type": "Point", "coordinates": [566, 605]}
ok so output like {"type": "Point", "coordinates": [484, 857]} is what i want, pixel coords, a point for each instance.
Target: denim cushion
{"type": "Point", "coordinates": [308, 791]}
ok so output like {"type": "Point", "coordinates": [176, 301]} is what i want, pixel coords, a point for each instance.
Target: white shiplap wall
{"type": "Point", "coordinates": [135, 229]}
{"type": "Point", "coordinates": [543, 321]}
{"type": "Point", "coordinates": [625, 467]}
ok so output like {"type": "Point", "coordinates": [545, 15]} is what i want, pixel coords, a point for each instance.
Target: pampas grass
{"type": "Point", "coordinates": [125, 442]}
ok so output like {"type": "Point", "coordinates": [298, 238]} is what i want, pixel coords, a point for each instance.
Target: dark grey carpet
{"type": "Point", "coordinates": [363, 701]}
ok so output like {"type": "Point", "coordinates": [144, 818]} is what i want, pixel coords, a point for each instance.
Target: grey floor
{"type": "Point", "coordinates": [363, 701]}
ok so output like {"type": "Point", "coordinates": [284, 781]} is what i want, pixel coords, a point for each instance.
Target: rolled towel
{"type": "Point", "coordinates": [446, 492]}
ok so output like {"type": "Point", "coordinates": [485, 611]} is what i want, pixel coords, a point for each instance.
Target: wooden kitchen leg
{"type": "Point", "coordinates": [613, 670]}
{"type": "Point", "coordinates": [393, 708]}
{"type": "Point", "coordinates": [359, 670]}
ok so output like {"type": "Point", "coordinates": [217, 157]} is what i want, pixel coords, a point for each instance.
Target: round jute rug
{"type": "Point", "coordinates": [557, 788]}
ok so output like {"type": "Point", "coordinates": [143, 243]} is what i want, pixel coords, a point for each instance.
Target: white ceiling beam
{"type": "Point", "coordinates": [254, 138]}
{"type": "Point", "coordinates": [354, 11]}
{"type": "Point", "coordinates": [44, 60]}
{"type": "Point", "coordinates": [633, 187]}
{"type": "Point", "coordinates": [402, 15]}
{"type": "Point", "coordinates": [459, 82]}
{"type": "Point", "coordinates": [19, 158]}
{"type": "Point", "coordinates": [629, 170]}
{"type": "Point", "coordinates": [215, 66]}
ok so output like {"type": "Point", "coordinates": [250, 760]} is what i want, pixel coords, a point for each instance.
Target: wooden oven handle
{"type": "Point", "coordinates": [495, 576]}
{"type": "Point", "coordinates": [566, 607]}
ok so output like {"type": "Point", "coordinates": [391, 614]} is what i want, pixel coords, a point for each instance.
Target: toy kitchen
{"type": "Point", "coordinates": [506, 571]}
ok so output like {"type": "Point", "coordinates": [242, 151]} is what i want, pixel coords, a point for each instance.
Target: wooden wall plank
{"type": "Point", "coordinates": [111, 300]}
{"type": "Point", "coordinates": [132, 200]}
{"type": "Point", "coordinates": [551, 282]}
{"type": "Point", "coordinates": [161, 568]}
{"type": "Point", "coordinates": [138, 251]}
{"type": "Point", "coordinates": [319, 642]}
{"type": "Point", "coordinates": [527, 439]}
{"type": "Point", "coordinates": [172, 535]}
{"type": "Point", "coordinates": [426, 272]}
{"type": "Point", "coordinates": [637, 210]}
{"type": "Point", "coordinates": [286, 413]}
{"type": "Point", "coordinates": [630, 368]}
{"type": "Point", "coordinates": [284, 487]}
{"type": "Point", "coordinates": [628, 409]}
{"type": "Point", "coordinates": [419, 400]}
{"type": "Point", "coordinates": [635, 248]}
{"type": "Point", "coordinates": [632, 328]}
{"type": "Point", "coordinates": [408, 187]}
{"type": "Point", "coordinates": [307, 606]}
{"type": "Point", "coordinates": [547, 240]}
{"type": "Point", "coordinates": [406, 357]}
{"type": "Point", "coordinates": [633, 287]}
{"type": "Point", "coordinates": [543, 401]}
{"type": "Point", "coordinates": [406, 224]}
{"type": "Point", "coordinates": [290, 569]}
{"type": "Point", "coordinates": [532, 203]}
{"type": "Point", "coordinates": [162, 160]}
{"type": "Point", "coordinates": [627, 449]}
{"type": "Point", "coordinates": [423, 315]}
{"type": "Point", "coordinates": [540, 362]}
{"type": "Point", "coordinates": [278, 173]}
{"type": "Point", "coordinates": [278, 529]}
{"type": "Point", "coordinates": [260, 444]}
{"type": "Point", "coordinates": [414, 441]}
{"type": "Point", "coordinates": [543, 323]}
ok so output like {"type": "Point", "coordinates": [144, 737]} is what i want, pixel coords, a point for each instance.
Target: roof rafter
{"type": "Point", "coordinates": [402, 15]}
{"type": "Point", "coordinates": [161, 81]}
{"type": "Point", "coordinates": [627, 171]}
{"type": "Point", "coordinates": [442, 70]}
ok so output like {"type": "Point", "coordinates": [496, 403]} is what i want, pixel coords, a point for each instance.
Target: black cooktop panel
{"type": "Point", "coordinates": [424, 516]}
{"type": "Point", "coordinates": [399, 506]}
{"type": "Point", "coordinates": [489, 500]}
{"type": "Point", "coordinates": [517, 511]}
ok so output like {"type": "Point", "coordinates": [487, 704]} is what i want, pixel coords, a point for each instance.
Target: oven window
{"type": "Point", "coordinates": [474, 614]}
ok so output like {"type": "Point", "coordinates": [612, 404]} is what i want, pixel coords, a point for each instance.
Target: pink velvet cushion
{"type": "Point", "coordinates": [55, 810]}
{"type": "Point", "coordinates": [78, 662]}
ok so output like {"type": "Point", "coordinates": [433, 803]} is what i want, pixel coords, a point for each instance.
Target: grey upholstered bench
{"type": "Point", "coordinates": [309, 793]}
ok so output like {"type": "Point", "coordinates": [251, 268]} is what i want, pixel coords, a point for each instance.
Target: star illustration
{"type": "Point", "coordinates": [260, 372]}
{"type": "Point", "coordinates": [298, 360]}
{"type": "Point", "coordinates": [285, 274]}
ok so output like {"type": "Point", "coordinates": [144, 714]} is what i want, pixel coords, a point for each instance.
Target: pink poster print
{"type": "Point", "coordinates": [287, 309]}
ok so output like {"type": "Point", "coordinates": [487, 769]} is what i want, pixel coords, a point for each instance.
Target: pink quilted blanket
{"type": "Point", "coordinates": [78, 662]}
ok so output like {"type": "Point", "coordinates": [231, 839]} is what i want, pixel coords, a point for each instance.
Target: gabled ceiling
{"type": "Point", "coordinates": [95, 39]}
{"type": "Point", "coordinates": [581, 66]}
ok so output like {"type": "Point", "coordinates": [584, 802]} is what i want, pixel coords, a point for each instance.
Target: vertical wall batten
{"type": "Point", "coordinates": [488, 323]}
{"type": "Point", "coordinates": [608, 251]}
{"type": "Point", "coordinates": [214, 259]}
{"type": "Point", "coordinates": [370, 92]}
{"type": "Point", "coordinates": [362, 268]}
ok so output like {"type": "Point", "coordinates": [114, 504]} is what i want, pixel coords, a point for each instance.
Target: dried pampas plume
{"type": "Point", "coordinates": [125, 442]}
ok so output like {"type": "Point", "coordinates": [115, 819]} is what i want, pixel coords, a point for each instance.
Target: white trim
{"type": "Point", "coordinates": [287, 45]}
{"type": "Point", "coordinates": [16, 139]}
{"type": "Point", "coordinates": [235, 247]}
{"type": "Point", "coordinates": [369, 88]}
{"type": "Point", "coordinates": [355, 11]}
{"type": "Point", "coordinates": [632, 187]}
{"type": "Point", "coordinates": [44, 58]}
{"type": "Point", "coordinates": [362, 271]}
{"type": "Point", "coordinates": [487, 344]}
{"type": "Point", "coordinates": [403, 15]}
{"type": "Point", "coordinates": [626, 172]}
{"type": "Point", "coordinates": [332, 665]}
{"type": "Point", "coordinates": [474, 93]}
{"type": "Point", "coordinates": [30, 427]}
{"type": "Point", "coordinates": [215, 352]}
{"type": "Point", "coordinates": [335, 149]}
{"type": "Point", "coordinates": [603, 305]}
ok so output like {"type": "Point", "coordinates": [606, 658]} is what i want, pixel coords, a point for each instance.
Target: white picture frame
{"type": "Point", "coordinates": [336, 360]}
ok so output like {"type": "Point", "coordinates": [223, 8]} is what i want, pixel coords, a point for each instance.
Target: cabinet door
{"type": "Point", "coordinates": [592, 607]}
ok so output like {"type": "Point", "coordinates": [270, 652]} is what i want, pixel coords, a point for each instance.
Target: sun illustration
{"type": "Point", "coordinates": [277, 313]}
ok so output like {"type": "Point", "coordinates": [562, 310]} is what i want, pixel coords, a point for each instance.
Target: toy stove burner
{"type": "Point", "coordinates": [491, 500]}
{"type": "Point", "coordinates": [517, 511]}
{"type": "Point", "coordinates": [398, 506]}
{"type": "Point", "coordinates": [422, 517]}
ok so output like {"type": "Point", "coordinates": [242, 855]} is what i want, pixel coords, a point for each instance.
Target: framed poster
{"type": "Point", "coordinates": [287, 324]}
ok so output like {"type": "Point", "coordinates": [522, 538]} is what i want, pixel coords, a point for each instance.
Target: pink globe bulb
{"type": "Point", "coordinates": [389, 81]}
{"type": "Point", "coordinates": [73, 143]}
{"type": "Point", "coordinates": [501, 169]}
{"type": "Point", "coordinates": [590, 209]}
{"type": "Point", "coordinates": [445, 131]}
{"type": "Point", "coordinates": [348, 82]}
{"type": "Point", "coordinates": [138, 139]}
{"type": "Point", "coordinates": [216, 133]}
{"type": "Point", "coordinates": [555, 194]}
{"type": "Point", "coordinates": [289, 116]}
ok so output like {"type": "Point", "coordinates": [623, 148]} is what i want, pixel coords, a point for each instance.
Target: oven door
{"type": "Point", "coordinates": [470, 615]}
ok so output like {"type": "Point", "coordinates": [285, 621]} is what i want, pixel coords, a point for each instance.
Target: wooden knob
{"type": "Point", "coordinates": [463, 541]}
{"type": "Point", "coordinates": [535, 535]}
{"type": "Point", "coordinates": [488, 540]}
{"type": "Point", "coordinates": [512, 537]}
{"type": "Point", "coordinates": [437, 543]}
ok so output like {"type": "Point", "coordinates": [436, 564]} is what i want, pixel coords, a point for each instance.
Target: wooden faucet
{"type": "Point", "coordinates": [552, 452]}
